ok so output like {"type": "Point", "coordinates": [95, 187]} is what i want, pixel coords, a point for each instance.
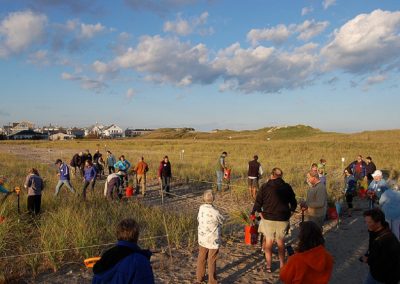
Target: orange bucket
{"type": "Point", "coordinates": [129, 191]}
{"type": "Point", "coordinates": [250, 235]}
{"type": "Point", "coordinates": [2, 218]}
{"type": "Point", "coordinates": [90, 262]}
{"type": "Point", "coordinates": [227, 174]}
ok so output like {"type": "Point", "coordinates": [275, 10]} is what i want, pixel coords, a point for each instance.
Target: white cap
{"type": "Point", "coordinates": [377, 173]}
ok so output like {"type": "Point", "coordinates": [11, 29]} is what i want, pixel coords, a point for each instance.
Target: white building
{"type": "Point", "coordinates": [61, 136]}
{"type": "Point", "coordinates": [112, 131]}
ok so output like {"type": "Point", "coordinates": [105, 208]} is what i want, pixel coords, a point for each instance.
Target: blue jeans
{"type": "Point", "coordinates": [371, 280]}
{"type": "Point", "coordinates": [61, 183]}
{"type": "Point", "coordinates": [220, 176]}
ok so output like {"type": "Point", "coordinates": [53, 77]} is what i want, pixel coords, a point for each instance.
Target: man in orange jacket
{"type": "Point", "coordinates": [141, 169]}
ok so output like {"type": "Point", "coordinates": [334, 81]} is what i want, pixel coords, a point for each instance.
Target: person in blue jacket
{"type": "Point", "coordinates": [126, 262]}
{"type": "Point", "coordinates": [89, 177]}
{"type": "Point", "coordinates": [3, 189]}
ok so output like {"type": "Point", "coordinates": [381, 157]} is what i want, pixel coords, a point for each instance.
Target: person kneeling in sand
{"type": "Point", "coordinates": [312, 263]}
{"type": "Point", "coordinates": [126, 262]}
{"type": "Point", "coordinates": [209, 236]}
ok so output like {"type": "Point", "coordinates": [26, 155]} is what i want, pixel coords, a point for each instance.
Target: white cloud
{"type": "Point", "coordinates": [85, 82]}
{"type": "Point", "coordinates": [19, 30]}
{"type": "Point", "coordinates": [101, 67]}
{"type": "Point", "coordinates": [168, 60]}
{"type": "Point", "coordinates": [372, 80]}
{"type": "Point", "coordinates": [281, 33]}
{"type": "Point", "coordinates": [89, 31]}
{"type": "Point", "coordinates": [327, 3]}
{"type": "Point", "coordinates": [263, 69]}
{"type": "Point", "coordinates": [130, 93]}
{"type": "Point", "coordinates": [277, 35]}
{"type": "Point", "coordinates": [368, 42]}
{"type": "Point", "coordinates": [185, 27]}
{"type": "Point", "coordinates": [306, 10]}
{"type": "Point", "coordinates": [309, 29]}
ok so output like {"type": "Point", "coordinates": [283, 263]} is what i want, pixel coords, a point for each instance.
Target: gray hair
{"type": "Point", "coordinates": [208, 196]}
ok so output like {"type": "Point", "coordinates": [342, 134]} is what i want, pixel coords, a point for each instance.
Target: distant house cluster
{"type": "Point", "coordinates": [26, 130]}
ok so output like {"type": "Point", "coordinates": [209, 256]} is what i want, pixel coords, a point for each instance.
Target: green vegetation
{"type": "Point", "coordinates": [67, 222]}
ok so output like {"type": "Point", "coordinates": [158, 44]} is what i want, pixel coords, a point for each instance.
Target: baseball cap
{"type": "Point", "coordinates": [377, 173]}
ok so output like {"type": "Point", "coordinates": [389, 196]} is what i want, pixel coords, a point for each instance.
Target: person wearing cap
{"type": "Point", "coordinates": [64, 177]}
{"type": "Point", "coordinates": [254, 173]}
{"type": "Point", "coordinates": [376, 188]}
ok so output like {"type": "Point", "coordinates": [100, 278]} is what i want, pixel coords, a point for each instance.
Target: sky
{"type": "Point", "coordinates": [207, 64]}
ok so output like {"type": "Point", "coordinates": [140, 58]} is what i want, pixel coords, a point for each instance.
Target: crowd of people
{"type": "Point", "coordinates": [274, 205]}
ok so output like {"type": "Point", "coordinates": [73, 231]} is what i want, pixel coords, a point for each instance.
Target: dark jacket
{"type": "Point", "coordinates": [254, 169]}
{"type": "Point", "coordinates": [369, 170]}
{"type": "Point", "coordinates": [277, 200]}
{"type": "Point", "coordinates": [362, 173]}
{"type": "Point", "coordinates": [76, 161]}
{"type": "Point", "coordinates": [384, 256]}
{"type": "Point", "coordinates": [124, 263]}
{"type": "Point", "coordinates": [164, 170]}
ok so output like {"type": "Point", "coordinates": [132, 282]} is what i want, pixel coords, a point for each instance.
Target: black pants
{"type": "Point", "coordinates": [85, 186]}
{"type": "Point", "coordinates": [166, 183]}
{"type": "Point", "coordinates": [110, 169]}
{"type": "Point", "coordinates": [34, 202]}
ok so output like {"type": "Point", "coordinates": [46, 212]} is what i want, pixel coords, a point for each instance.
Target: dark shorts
{"type": "Point", "coordinates": [253, 182]}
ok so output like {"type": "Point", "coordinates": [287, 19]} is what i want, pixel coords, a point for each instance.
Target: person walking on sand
{"type": "Point", "coordinates": [64, 177]}
{"type": "Point", "coordinates": [220, 167]}
{"type": "Point", "coordinates": [275, 202]}
{"type": "Point", "coordinates": [89, 177]}
{"type": "Point", "coordinates": [383, 255]}
{"type": "Point", "coordinates": [125, 263]}
{"type": "Point", "coordinates": [165, 175]}
{"type": "Point", "coordinates": [110, 162]}
{"type": "Point", "coordinates": [316, 200]}
{"type": "Point", "coordinates": [312, 263]}
{"type": "Point", "coordinates": [209, 238]}
{"type": "Point", "coordinates": [34, 184]}
{"type": "Point", "coordinates": [254, 174]}
{"type": "Point", "coordinates": [141, 169]}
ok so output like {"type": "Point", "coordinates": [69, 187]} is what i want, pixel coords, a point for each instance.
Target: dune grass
{"type": "Point", "coordinates": [67, 222]}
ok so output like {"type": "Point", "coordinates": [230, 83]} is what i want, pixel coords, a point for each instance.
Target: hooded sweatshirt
{"type": "Point", "coordinates": [313, 266]}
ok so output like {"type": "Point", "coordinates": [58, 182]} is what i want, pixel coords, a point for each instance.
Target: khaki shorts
{"type": "Point", "coordinates": [273, 229]}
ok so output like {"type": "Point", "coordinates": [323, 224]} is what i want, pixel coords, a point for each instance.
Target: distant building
{"type": "Point", "coordinates": [23, 125]}
{"type": "Point", "coordinates": [7, 129]}
{"type": "Point", "coordinates": [112, 131]}
{"type": "Point", "coordinates": [28, 134]}
{"type": "Point", "coordinates": [136, 132]}
{"type": "Point", "coordinates": [61, 136]}
{"type": "Point", "coordinates": [53, 129]}
{"type": "Point", "coordinates": [77, 132]}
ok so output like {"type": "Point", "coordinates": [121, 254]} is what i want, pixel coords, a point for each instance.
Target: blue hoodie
{"type": "Point", "coordinates": [64, 172]}
{"type": "Point", "coordinates": [90, 173]}
{"type": "Point", "coordinates": [123, 264]}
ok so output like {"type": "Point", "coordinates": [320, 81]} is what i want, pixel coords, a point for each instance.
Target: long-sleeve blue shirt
{"type": "Point", "coordinates": [90, 173]}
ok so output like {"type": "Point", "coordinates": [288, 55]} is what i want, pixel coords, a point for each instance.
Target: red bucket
{"type": "Point", "coordinates": [332, 213]}
{"type": "Point", "coordinates": [129, 191]}
{"type": "Point", "coordinates": [362, 193]}
{"type": "Point", "coordinates": [227, 174]}
{"type": "Point", "coordinates": [250, 235]}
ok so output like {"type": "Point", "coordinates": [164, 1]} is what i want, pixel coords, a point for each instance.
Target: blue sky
{"type": "Point", "coordinates": [331, 64]}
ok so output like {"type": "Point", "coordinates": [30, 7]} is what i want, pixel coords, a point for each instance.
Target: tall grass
{"type": "Point", "coordinates": [67, 222]}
